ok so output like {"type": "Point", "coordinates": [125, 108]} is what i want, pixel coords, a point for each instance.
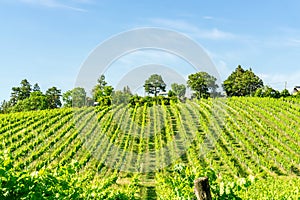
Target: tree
{"type": "Point", "coordinates": [203, 84]}
{"type": "Point", "coordinates": [267, 91]}
{"type": "Point", "coordinates": [119, 97]}
{"type": "Point", "coordinates": [25, 89]}
{"type": "Point", "coordinates": [154, 84]}
{"type": "Point", "coordinates": [75, 97]}
{"type": "Point", "coordinates": [285, 93]}
{"type": "Point", "coordinates": [36, 88]}
{"type": "Point", "coordinates": [242, 83]}
{"type": "Point", "coordinates": [178, 89]}
{"type": "Point", "coordinates": [127, 90]}
{"type": "Point", "coordinates": [99, 87]}
{"type": "Point", "coordinates": [20, 93]}
{"type": "Point", "coordinates": [5, 107]}
{"type": "Point", "coordinates": [36, 101]}
{"type": "Point", "coordinates": [102, 90]}
{"type": "Point", "coordinates": [53, 97]}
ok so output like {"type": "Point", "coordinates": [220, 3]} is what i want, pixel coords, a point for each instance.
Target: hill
{"type": "Point", "coordinates": [249, 147]}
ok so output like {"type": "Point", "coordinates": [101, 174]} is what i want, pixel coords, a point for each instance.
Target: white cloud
{"type": "Point", "coordinates": [55, 4]}
{"type": "Point", "coordinates": [208, 17]}
{"type": "Point", "coordinates": [213, 34]}
{"type": "Point", "coordinates": [293, 42]}
{"type": "Point", "coordinates": [278, 81]}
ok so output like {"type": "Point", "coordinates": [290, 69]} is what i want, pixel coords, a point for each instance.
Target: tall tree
{"type": "Point", "coordinates": [242, 83]}
{"type": "Point", "coordinates": [53, 95]}
{"type": "Point", "coordinates": [101, 89]}
{"type": "Point", "coordinates": [178, 89]}
{"type": "Point", "coordinates": [20, 93]}
{"type": "Point", "coordinates": [75, 97]}
{"type": "Point", "coordinates": [154, 84]}
{"type": "Point", "coordinates": [25, 89]}
{"type": "Point", "coordinates": [127, 90]}
{"type": "Point", "coordinates": [102, 92]}
{"type": "Point", "coordinates": [202, 83]}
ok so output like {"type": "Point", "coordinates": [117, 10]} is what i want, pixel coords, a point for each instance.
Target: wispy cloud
{"type": "Point", "coordinates": [213, 34]}
{"type": "Point", "coordinates": [293, 42]}
{"type": "Point", "coordinates": [56, 4]}
{"type": "Point", "coordinates": [208, 17]}
{"type": "Point", "coordinates": [278, 81]}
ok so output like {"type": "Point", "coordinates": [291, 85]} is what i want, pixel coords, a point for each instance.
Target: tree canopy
{"type": "Point", "coordinates": [202, 83]}
{"type": "Point", "coordinates": [26, 98]}
{"type": "Point", "coordinates": [242, 83]}
{"type": "Point", "coordinates": [53, 95]}
{"type": "Point", "coordinates": [121, 97]}
{"type": "Point", "coordinates": [102, 92]}
{"type": "Point", "coordinates": [154, 84]}
{"type": "Point", "coordinates": [101, 89]}
{"type": "Point", "coordinates": [20, 93]}
{"type": "Point", "coordinates": [75, 97]}
{"type": "Point", "coordinates": [178, 89]}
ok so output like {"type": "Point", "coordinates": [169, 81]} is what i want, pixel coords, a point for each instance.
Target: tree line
{"type": "Point", "coordinates": [26, 98]}
{"type": "Point", "coordinates": [240, 82]}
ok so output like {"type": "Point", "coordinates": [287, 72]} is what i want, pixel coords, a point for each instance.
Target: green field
{"type": "Point", "coordinates": [153, 152]}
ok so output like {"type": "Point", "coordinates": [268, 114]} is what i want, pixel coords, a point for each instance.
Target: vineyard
{"type": "Point", "coordinates": [249, 148]}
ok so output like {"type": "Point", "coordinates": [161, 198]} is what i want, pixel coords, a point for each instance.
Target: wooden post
{"type": "Point", "coordinates": [202, 189]}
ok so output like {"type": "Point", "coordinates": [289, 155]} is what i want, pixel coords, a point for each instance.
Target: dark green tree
{"type": "Point", "coordinates": [285, 93]}
{"type": "Point", "coordinates": [267, 91]}
{"type": "Point", "coordinates": [36, 101]}
{"type": "Point", "coordinates": [53, 97]}
{"type": "Point", "coordinates": [242, 83]}
{"type": "Point", "coordinates": [20, 93]}
{"type": "Point", "coordinates": [203, 84]}
{"type": "Point", "coordinates": [154, 84]}
{"type": "Point", "coordinates": [178, 89]}
{"type": "Point", "coordinates": [75, 97]}
{"type": "Point", "coordinates": [36, 88]}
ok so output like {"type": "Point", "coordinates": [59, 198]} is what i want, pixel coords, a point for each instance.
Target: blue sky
{"type": "Point", "coordinates": [46, 41]}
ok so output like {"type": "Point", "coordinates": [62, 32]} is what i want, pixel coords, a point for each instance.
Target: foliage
{"type": "Point", "coordinates": [179, 183]}
{"type": "Point", "coordinates": [203, 84]}
{"type": "Point", "coordinates": [36, 88]}
{"type": "Point", "coordinates": [121, 97]}
{"type": "Point", "coordinates": [273, 188]}
{"type": "Point", "coordinates": [159, 100]}
{"type": "Point", "coordinates": [102, 92]}
{"type": "Point", "coordinates": [154, 84]}
{"type": "Point", "coordinates": [257, 136]}
{"type": "Point", "coordinates": [53, 95]}
{"type": "Point", "coordinates": [20, 93]}
{"type": "Point", "coordinates": [178, 89]}
{"type": "Point", "coordinates": [5, 107]}
{"type": "Point", "coordinates": [24, 98]}
{"type": "Point", "coordinates": [59, 183]}
{"type": "Point", "coordinates": [285, 93]}
{"type": "Point", "coordinates": [75, 97]}
{"type": "Point", "coordinates": [36, 101]}
{"type": "Point", "coordinates": [242, 83]}
{"type": "Point", "coordinates": [267, 91]}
